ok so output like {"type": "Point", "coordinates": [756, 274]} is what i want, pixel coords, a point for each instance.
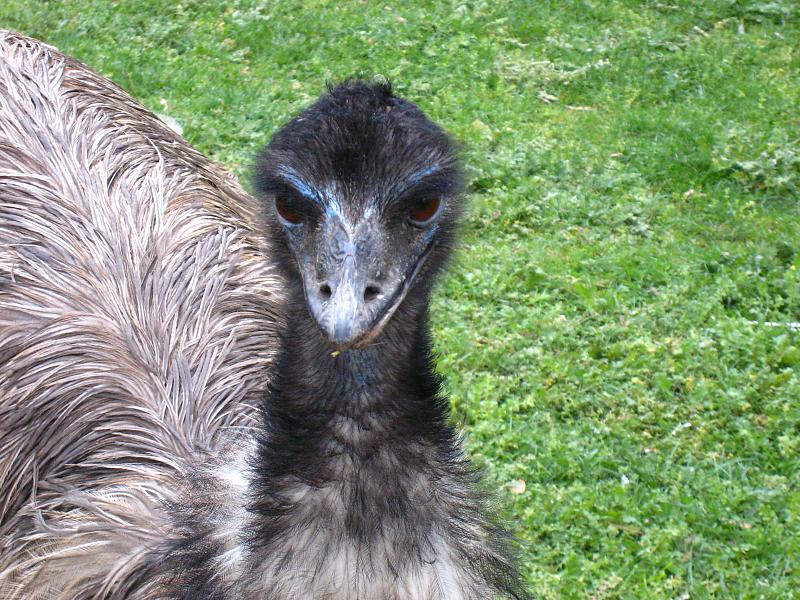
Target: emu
{"type": "Point", "coordinates": [207, 396]}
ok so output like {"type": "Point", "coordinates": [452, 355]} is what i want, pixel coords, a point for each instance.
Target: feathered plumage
{"type": "Point", "coordinates": [137, 322]}
{"type": "Point", "coordinates": [197, 402]}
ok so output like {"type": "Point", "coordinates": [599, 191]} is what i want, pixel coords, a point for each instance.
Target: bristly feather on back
{"type": "Point", "coordinates": [137, 321]}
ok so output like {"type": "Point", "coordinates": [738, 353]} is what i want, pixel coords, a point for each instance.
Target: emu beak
{"type": "Point", "coordinates": [350, 307]}
{"type": "Point", "coordinates": [347, 314]}
{"type": "Point", "coordinates": [339, 306]}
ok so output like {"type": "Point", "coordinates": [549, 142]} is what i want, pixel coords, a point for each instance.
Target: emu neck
{"type": "Point", "coordinates": [389, 384]}
{"type": "Point", "coordinates": [369, 412]}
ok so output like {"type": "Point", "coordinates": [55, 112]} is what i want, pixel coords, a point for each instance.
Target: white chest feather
{"type": "Point", "coordinates": [323, 554]}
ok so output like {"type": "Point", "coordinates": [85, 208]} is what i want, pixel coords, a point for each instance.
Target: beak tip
{"type": "Point", "coordinates": [341, 338]}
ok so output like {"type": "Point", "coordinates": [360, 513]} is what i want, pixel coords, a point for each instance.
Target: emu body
{"type": "Point", "coordinates": [196, 402]}
{"type": "Point", "coordinates": [137, 323]}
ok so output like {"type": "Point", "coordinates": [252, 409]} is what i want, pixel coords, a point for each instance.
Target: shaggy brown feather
{"type": "Point", "coordinates": [137, 321]}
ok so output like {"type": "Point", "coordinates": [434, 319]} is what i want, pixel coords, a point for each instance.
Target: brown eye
{"type": "Point", "coordinates": [425, 212]}
{"type": "Point", "coordinates": [286, 212]}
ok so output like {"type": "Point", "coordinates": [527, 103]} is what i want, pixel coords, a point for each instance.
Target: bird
{"type": "Point", "coordinates": [209, 395]}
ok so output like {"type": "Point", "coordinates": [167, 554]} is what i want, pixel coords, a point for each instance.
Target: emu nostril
{"type": "Point", "coordinates": [371, 292]}
{"type": "Point", "coordinates": [325, 291]}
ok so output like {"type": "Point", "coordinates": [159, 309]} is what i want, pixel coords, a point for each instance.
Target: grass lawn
{"type": "Point", "coordinates": [612, 331]}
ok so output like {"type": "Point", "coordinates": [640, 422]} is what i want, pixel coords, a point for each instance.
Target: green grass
{"type": "Point", "coordinates": [634, 176]}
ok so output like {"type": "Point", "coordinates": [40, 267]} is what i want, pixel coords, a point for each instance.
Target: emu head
{"type": "Point", "coordinates": [363, 192]}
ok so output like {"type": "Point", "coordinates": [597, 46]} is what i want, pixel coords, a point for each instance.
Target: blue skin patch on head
{"type": "Point", "coordinates": [429, 233]}
{"type": "Point", "coordinates": [416, 177]}
{"type": "Point", "coordinates": [422, 174]}
{"type": "Point", "coordinates": [301, 186]}
{"type": "Point", "coordinates": [327, 199]}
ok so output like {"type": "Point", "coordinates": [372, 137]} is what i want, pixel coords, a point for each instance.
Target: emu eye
{"type": "Point", "coordinates": [426, 211]}
{"type": "Point", "coordinates": [286, 212]}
